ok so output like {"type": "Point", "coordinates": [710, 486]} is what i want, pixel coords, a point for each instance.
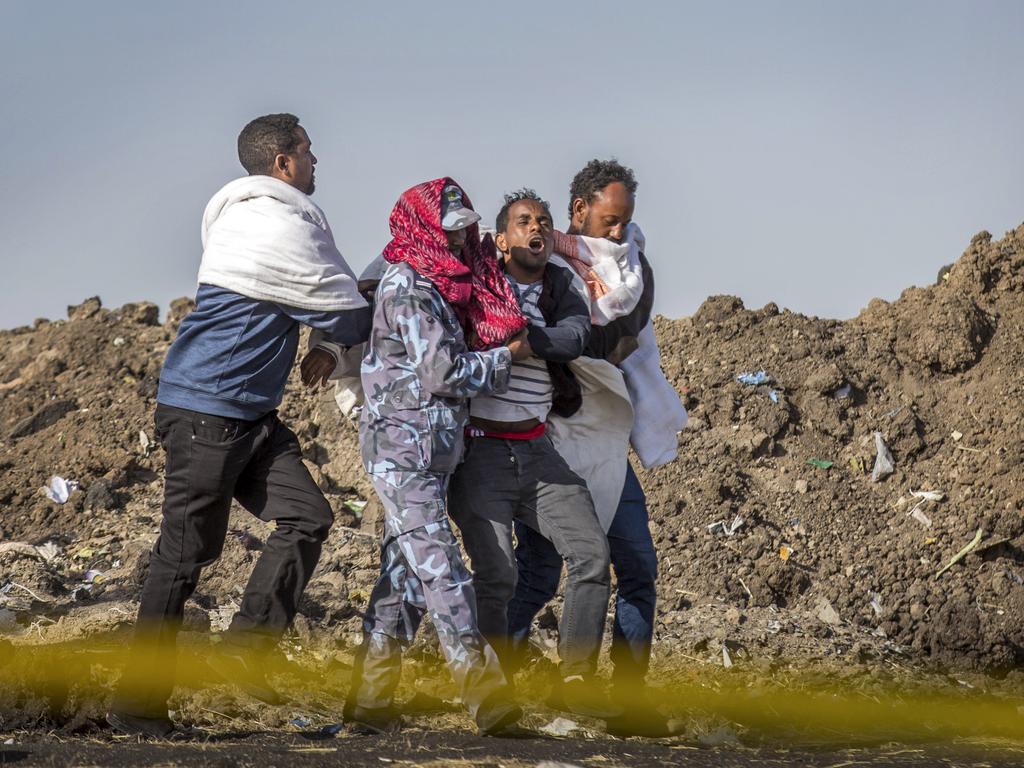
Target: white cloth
{"type": "Point", "coordinates": [659, 413]}
{"type": "Point", "coordinates": [618, 266]}
{"type": "Point", "coordinates": [348, 386]}
{"type": "Point", "coordinates": [266, 240]}
{"type": "Point", "coordinates": [594, 441]}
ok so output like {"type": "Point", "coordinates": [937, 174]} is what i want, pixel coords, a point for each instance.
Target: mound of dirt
{"type": "Point", "coordinates": [938, 375]}
{"type": "Point", "coordinates": [773, 535]}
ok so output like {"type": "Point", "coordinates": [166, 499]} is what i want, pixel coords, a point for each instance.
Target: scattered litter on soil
{"type": "Point", "coordinates": [939, 373]}
{"type": "Point", "coordinates": [729, 530]}
{"type": "Point", "coordinates": [979, 534]}
{"type": "Point", "coordinates": [59, 489]}
{"type": "Point", "coordinates": [884, 463]}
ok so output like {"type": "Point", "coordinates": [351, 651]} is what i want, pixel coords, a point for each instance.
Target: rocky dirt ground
{"type": "Point", "coordinates": [779, 548]}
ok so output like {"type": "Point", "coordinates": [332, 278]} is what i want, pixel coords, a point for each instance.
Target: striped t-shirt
{"type": "Point", "coordinates": [529, 388]}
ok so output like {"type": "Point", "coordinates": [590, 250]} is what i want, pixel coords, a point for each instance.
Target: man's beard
{"type": "Point", "coordinates": [585, 228]}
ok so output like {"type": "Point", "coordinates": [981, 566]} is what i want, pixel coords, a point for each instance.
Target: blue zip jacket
{"type": "Point", "coordinates": [233, 354]}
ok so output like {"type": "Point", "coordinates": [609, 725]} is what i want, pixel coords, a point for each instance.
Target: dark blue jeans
{"type": "Point", "coordinates": [636, 569]}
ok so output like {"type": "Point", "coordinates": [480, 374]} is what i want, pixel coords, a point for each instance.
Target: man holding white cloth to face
{"type": "Point", "coordinates": [269, 265]}
{"type": "Point", "coordinates": [626, 402]}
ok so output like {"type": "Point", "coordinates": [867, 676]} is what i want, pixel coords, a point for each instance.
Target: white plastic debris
{"type": "Point", "coordinates": [560, 726]}
{"type": "Point", "coordinates": [720, 526]}
{"type": "Point", "coordinates": [843, 392]}
{"type": "Point", "coordinates": [726, 658]}
{"type": "Point", "coordinates": [93, 577]}
{"type": "Point", "coordinates": [754, 379]}
{"type": "Point", "coordinates": [884, 463]}
{"type": "Point", "coordinates": [145, 442]}
{"type": "Point", "coordinates": [921, 517]}
{"type": "Point", "coordinates": [60, 490]}
{"type": "Point", "coordinates": [925, 497]}
{"type": "Point", "coordinates": [48, 551]}
{"type": "Point", "coordinates": [119, 341]}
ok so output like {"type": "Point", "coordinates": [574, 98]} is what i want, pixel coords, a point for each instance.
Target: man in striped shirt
{"type": "Point", "coordinates": [529, 390]}
{"type": "Point", "coordinates": [512, 472]}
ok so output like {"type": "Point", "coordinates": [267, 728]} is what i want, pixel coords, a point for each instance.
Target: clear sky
{"type": "Point", "coordinates": [815, 154]}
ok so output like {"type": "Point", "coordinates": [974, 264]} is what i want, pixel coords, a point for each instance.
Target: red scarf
{"type": "Point", "coordinates": [474, 285]}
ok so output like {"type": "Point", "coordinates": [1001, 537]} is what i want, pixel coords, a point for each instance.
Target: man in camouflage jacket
{"type": "Point", "coordinates": [417, 376]}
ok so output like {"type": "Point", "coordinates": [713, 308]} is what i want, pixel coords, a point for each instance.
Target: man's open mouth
{"type": "Point", "coordinates": [536, 244]}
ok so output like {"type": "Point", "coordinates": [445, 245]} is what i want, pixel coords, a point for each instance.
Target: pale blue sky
{"type": "Point", "coordinates": [815, 154]}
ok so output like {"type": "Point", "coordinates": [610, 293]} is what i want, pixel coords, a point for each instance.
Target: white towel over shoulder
{"type": "Point", "coordinates": [266, 240]}
{"type": "Point", "coordinates": [659, 413]}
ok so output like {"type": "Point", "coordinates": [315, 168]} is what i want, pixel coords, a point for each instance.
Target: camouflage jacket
{"type": "Point", "coordinates": [416, 377]}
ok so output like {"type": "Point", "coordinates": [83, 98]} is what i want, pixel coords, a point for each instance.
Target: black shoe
{"type": "Point", "coordinates": [134, 725]}
{"type": "Point", "coordinates": [649, 724]}
{"type": "Point", "coordinates": [498, 712]}
{"type": "Point", "coordinates": [234, 666]}
{"type": "Point", "coordinates": [639, 716]}
{"type": "Point", "coordinates": [375, 720]}
{"type": "Point", "coordinates": [583, 697]}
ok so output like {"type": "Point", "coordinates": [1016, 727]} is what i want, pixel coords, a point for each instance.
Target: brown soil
{"type": "Point", "coordinates": [937, 372]}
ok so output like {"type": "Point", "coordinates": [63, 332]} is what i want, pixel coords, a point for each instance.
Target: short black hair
{"type": "Point", "coordinates": [595, 176]}
{"type": "Point", "coordinates": [265, 138]}
{"type": "Point", "coordinates": [501, 222]}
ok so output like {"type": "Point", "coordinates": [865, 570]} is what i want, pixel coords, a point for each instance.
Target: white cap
{"type": "Point", "coordinates": [455, 215]}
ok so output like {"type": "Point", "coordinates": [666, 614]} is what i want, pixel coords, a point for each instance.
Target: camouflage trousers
{"type": "Point", "coordinates": [421, 570]}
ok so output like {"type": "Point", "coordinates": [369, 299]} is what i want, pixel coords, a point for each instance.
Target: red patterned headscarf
{"type": "Point", "coordinates": [474, 285]}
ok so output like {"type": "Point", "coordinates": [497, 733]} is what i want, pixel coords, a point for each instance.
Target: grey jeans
{"type": "Point", "coordinates": [502, 481]}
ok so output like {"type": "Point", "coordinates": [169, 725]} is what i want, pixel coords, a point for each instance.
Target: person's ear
{"type": "Point", "coordinates": [579, 211]}
{"type": "Point", "coordinates": [501, 242]}
{"type": "Point", "coordinates": [282, 164]}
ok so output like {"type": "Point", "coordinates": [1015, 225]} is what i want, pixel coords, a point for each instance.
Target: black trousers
{"type": "Point", "coordinates": [210, 460]}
